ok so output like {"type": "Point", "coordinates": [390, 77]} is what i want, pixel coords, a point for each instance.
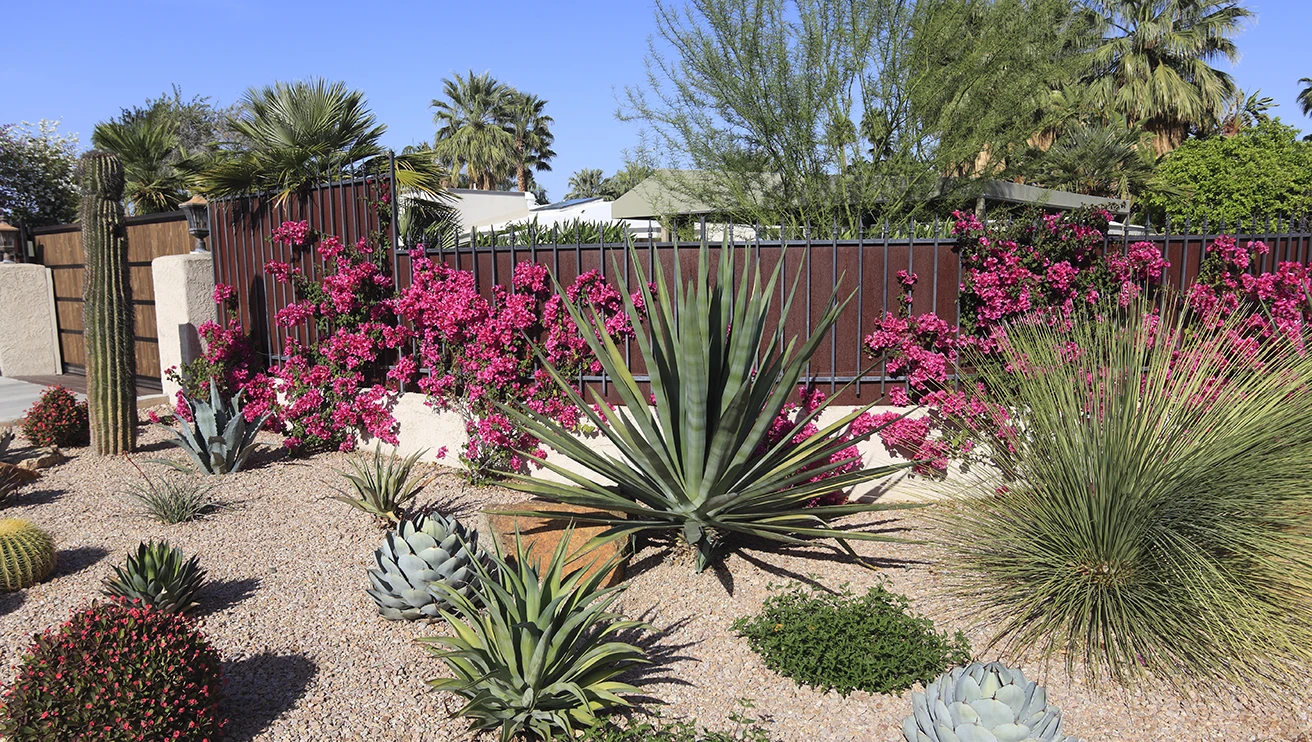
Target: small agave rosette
{"type": "Point", "coordinates": [983, 703]}
{"type": "Point", "coordinates": [418, 554]}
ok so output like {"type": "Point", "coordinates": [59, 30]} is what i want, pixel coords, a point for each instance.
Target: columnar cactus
{"type": "Point", "coordinates": [27, 554]}
{"type": "Point", "coordinates": [106, 307]}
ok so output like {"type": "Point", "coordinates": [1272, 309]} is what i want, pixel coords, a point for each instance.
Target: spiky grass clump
{"type": "Point", "coordinates": [1157, 513]}
{"type": "Point", "coordinates": [171, 499]}
{"type": "Point", "coordinates": [27, 554]}
{"type": "Point", "coordinates": [385, 486]}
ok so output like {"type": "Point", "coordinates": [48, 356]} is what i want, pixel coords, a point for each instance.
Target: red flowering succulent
{"type": "Point", "coordinates": [117, 670]}
{"type": "Point", "coordinates": [57, 418]}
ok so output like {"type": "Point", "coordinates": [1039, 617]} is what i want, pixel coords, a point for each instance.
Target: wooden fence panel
{"type": "Point", "coordinates": [59, 248]}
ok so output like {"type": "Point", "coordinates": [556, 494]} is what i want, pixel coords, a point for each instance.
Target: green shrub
{"type": "Point", "coordinates": [112, 667]}
{"type": "Point", "coordinates": [656, 730]}
{"type": "Point", "coordinates": [1156, 514]}
{"type": "Point", "coordinates": [845, 642]}
{"type": "Point", "coordinates": [58, 418]}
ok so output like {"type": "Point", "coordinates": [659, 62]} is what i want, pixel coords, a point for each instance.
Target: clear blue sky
{"type": "Point", "coordinates": [82, 61]}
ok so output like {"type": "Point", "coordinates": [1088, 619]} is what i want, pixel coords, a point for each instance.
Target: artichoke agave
{"type": "Point", "coordinates": [983, 703]}
{"type": "Point", "coordinates": [220, 438]}
{"type": "Point", "coordinates": [419, 555]}
{"type": "Point", "coordinates": [541, 661]}
{"type": "Point", "coordinates": [160, 576]}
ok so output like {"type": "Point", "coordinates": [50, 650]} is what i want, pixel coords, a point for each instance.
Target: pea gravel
{"type": "Point", "coordinates": [308, 658]}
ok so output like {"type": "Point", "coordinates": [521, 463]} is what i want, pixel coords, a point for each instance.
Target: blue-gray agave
{"type": "Point", "coordinates": [419, 554]}
{"type": "Point", "coordinates": [220, 439]}
{"type": "Point", "coordinates": [983, 703]}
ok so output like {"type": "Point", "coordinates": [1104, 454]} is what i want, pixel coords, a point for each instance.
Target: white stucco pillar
{"type": "Point", "coordinates": [184, 300]}
{"type": "Point", "coordinates": [29, 336]}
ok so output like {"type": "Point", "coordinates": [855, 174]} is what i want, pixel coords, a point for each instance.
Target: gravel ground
{"type": "Point", "coordinates": [308, 658]}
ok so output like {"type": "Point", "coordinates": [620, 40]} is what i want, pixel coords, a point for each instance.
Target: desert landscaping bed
{"type": "Point", "coordinates": [306, 655]}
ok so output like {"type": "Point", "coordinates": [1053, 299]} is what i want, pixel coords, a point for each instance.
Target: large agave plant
{"type": "Point", "coordinates": [543, 658]}
{"type": "Point", "coordinates": [699, 463]}
{"type": "Point", "coordinates": [220, 438]}
{"type": "Point", "coordinates": [384, 487]}
{"type": "Point", "coordinates": [419, 555]}
{"type": "Point", "coordinates": [983, 703]}
{"type": "Point", "coordinates": [158, 575]}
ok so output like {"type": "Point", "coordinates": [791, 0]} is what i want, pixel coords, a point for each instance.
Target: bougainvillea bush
{"type": "Point", "coordinates": [117, 670]}
{"type": "Point", "coordinates": [1047, 271]}
{"type": "Point", "coordinates": [57, 418]}
{"type": "Point", "coordinates": [481, 352]}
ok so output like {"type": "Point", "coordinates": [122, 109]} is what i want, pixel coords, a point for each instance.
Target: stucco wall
{"type": "Point", "coordinates": [184, 300]}
{"type": "Point", "coordinates": [421, 427]}
{"type": "Point", "coordinates": [29, 337]}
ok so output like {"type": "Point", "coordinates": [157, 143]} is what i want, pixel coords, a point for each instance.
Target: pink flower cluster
{"type": "Point", "coordinates": [480, 351]}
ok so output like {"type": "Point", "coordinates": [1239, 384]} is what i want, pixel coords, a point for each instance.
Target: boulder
{"type": "Point", "coordinates": [542, 535]}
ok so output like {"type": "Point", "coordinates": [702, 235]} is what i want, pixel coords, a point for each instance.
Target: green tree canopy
{"type": "Point", "coordinates": [37, 183]}
{"type": "Point", "coordinates": [1264, 170]}
{"type": "Point", "coordinates": [487, 131]}
{"type": "Point", "coordinates": [585, 183]}
{"type": "Point", "coordinates": [810, 109]}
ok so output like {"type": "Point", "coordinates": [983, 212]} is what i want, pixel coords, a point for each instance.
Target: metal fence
{"type": "Point", "coordinates": [861, 265]}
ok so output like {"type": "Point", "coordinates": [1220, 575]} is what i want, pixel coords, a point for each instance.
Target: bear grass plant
{"type": "Point", "coordinates": [1154, 516]}
{"type": "Point", "coordinates": [845, 642]}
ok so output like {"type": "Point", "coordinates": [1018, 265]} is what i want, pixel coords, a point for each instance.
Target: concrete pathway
{"type": "Point", "coordinates": [16, 397]}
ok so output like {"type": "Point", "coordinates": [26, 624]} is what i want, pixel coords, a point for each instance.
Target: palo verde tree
{"type": "Point", "coordinates": [106, 306]}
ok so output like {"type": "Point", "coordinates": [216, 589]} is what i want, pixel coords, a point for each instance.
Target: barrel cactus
{"type": "Point", "coordinates": [983, 703]}
{"type": "Point", "coordinates": [417, 554]}
{"type": "Point", "coordinates": [27, 554]}
{"type": "Point", "coordinates": [158, 575]}
{"type": "Point", "coordinates": [107, 307]}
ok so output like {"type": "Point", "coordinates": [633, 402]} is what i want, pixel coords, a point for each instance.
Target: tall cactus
{"type": "Point", "coordinates": [106, 307]}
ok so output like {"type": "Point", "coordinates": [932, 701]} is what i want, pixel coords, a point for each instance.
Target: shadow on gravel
{"type": "Point", "coordinates": [9, 602]}
{"type": "Point", "coordinates": [72, 561]}
{"type": "Point", "coordinates": [35, 497]}
{"type": "Point", "coordinates": [220, 595]}
{"type": "Point", "coordinates": [260, 688]}
{"type": "Point", "coordinates": [661, 651]}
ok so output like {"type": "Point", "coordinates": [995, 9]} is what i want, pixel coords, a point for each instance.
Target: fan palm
{"type": "Point", "coordinates": [1153, 64]}
{"type": "Point", "coordinates": [1098, 159]}
{"type": "Point", "coordinates": [586, 183]}
{"type": "Point", "coordinates": [531, 129]}
{"type": "Point", "coordinates": [702, 463]}
{"type": "Point", "coordinates": [472, 128]}
{"type": "Point", "coordinates": [289, 136]}
{"type": "Point", "coordinates": [147, 146]}
{"type": "Point", "coordinates": [1305, 95]}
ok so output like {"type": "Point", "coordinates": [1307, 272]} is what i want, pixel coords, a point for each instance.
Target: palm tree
{"type": "Point", "coordinates": [1305, 96]}
{"type": "Point", "coordinates": [531, 129]}
{"type": "Point", "coordinates": [147, 145]}
{"type": "Point", "coordinates": [472, 128]}
{"type": "Point", "coordinates": [585, 183]}
{"type": "Point", "coordinates": [289, 136]}
{"type": "Point", "coordinates": [1153, 63]}
{"type": "Point", "coordinates": [625, 180]}
{"type": "Point", "coordinates": [1243, 111]}
{"type": "Point", "coordinates": [1097, 159]}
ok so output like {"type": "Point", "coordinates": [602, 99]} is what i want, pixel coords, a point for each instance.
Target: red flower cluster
{"type": "Point", "coordinates": [57, 418]}
{"type": "Point", "coordinates": [117, 670]}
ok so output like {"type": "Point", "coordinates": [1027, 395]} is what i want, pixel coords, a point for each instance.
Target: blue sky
{"type": "Point", "coordinates": [82, 61]}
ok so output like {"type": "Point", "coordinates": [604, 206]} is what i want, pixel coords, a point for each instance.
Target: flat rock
{"type": "Point", "coordinates": [543, 535]}
{"type": "Point", "coordinates": [45, 458]}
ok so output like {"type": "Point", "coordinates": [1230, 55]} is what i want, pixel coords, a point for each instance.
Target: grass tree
{"type": "Point", "coordinates": [1156, 514]}
{"type": "Point", "coordinates": [696, 459]}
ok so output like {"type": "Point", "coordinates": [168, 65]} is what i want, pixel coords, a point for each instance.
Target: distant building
{"type": "Point", "coordinates": [486, 211]}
